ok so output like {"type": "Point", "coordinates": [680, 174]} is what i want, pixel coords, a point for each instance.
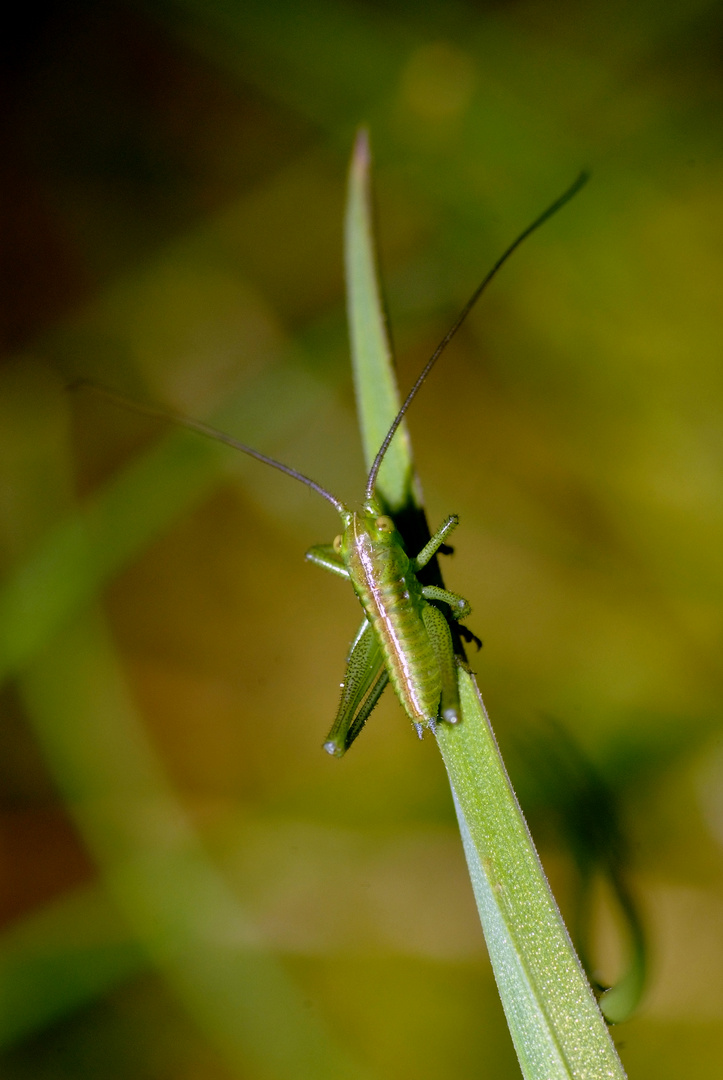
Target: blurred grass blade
{"type": "Point", "coordinates": [175, 902]}
{"type": "Point", "coordinates": [55, 960]}
{"type": "Point", "coordinates": [171, 895]}
{"type": "Point", "coordinates": [555, 1023]}
{"type": "Point", "coordinates": [79, 554]}
{"type": "Point", "coordinates": [622, 999]}
{"type": "Point", "coordinates": [559, 776]}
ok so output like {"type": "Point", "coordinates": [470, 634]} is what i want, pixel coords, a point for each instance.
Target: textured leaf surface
{"type": "Point", "coordinates": [557, 1028]}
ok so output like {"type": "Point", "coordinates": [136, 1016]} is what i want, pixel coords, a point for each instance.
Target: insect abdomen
{"type": "Point", "coordinates": [410, 659]}
{"type": "Point", "coordinates": [392, 599]}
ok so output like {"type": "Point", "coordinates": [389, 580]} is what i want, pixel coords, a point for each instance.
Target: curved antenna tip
{"type": "Point", "coordinates": [559, 202]}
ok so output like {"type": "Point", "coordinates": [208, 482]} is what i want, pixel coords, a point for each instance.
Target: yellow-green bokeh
{"type": "Point", "coordinates": [177, 193]}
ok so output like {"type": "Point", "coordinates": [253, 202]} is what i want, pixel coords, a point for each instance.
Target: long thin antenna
{"type": "Point", "coordinates": [552, 209]}
{"type": "Point", "coordinates": [209, 432]}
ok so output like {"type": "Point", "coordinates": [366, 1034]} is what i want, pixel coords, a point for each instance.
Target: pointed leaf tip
{"type": "Point", "coordinates": [361, 158]}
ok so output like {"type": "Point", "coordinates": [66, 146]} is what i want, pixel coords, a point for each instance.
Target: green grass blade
{"type": "Point", "coordinates": [375, 381]}
{"type": "Point", "coordinates": [556, 1026]}
{"type": "Point", "coordinates": [555, 1023]}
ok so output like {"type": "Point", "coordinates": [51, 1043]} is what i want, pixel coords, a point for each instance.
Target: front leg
{"type": "Point", "coordinates": [432, 546]}
{"type": "Point", "coordinates": [325, 556]}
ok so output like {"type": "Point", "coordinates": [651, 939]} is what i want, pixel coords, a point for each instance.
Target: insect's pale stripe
{"type": "Point", "coordinates": [393, 605]}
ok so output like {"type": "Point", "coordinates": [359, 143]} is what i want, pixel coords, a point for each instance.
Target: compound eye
{"type": "Point", "coordinates": [337, 544]}
{"type": "Point", "coordinates": [385, 524]}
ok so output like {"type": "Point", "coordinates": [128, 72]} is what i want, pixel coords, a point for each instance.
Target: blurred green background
{"type": "Point", "coordinates": [191, 889]}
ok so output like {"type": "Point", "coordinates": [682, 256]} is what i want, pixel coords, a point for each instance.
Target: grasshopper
{"type": "Point", "coordinates": [409, 634]}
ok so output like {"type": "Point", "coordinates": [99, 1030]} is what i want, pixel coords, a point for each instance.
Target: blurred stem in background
{"type": "Point", "coordinates": [152, 862]}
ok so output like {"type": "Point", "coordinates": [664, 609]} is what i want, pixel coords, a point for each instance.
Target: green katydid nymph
{"type": "Point", "coordinates": [405, 636]}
